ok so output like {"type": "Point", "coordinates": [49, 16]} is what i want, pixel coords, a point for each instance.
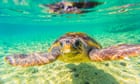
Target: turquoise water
{"type": "Point", "coordinates": [26, 27]}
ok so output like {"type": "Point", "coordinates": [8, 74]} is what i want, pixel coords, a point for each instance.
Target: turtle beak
{"type": "Point", "coordinates": [67, 48]}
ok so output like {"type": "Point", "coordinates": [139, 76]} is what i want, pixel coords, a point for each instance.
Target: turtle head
{"type": "Point", "coordinates": [71, 46]}
{"type": "Point", "coordinates": [73, 50]}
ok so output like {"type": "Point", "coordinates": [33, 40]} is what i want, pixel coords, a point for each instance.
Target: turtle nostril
{"type": "Point", "coordinates": [67, 41]}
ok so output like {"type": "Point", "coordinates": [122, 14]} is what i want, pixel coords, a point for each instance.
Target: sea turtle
{"type": "Point", "coordinates": [75, 47]}
{"type": "Point", "coordinates": [71, 7]}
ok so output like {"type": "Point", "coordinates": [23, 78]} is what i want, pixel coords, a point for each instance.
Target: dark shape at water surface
{"type": "Point", "coordinates": [71, 7]}
{"type": "Point", "coordinates": [89, 74]}
{"type": "Point", "coordinates": [87, 4]}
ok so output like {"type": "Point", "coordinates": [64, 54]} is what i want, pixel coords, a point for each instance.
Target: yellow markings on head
{"type": "Point", "coordinates": [66, 46]}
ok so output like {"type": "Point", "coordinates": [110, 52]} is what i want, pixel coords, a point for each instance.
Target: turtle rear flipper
{"type": "Point", "coordinates": [115, 52]}
{"type": "Point", "coordinates": [32, 59]}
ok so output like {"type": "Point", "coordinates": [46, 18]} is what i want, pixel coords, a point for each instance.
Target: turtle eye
{"type": "Point", "coordinates": [61, 44]}
{"type": "Point", "coordinates": [77, 43]}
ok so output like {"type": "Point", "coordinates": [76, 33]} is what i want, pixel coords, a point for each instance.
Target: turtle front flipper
{"type": "Point", "coordinates": [115, 52]}
{"type": "Point", "coordinates": [33, 59]}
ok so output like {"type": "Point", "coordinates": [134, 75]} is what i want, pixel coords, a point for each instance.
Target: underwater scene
{"type": "Point", "coordinates": [34, 26]}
